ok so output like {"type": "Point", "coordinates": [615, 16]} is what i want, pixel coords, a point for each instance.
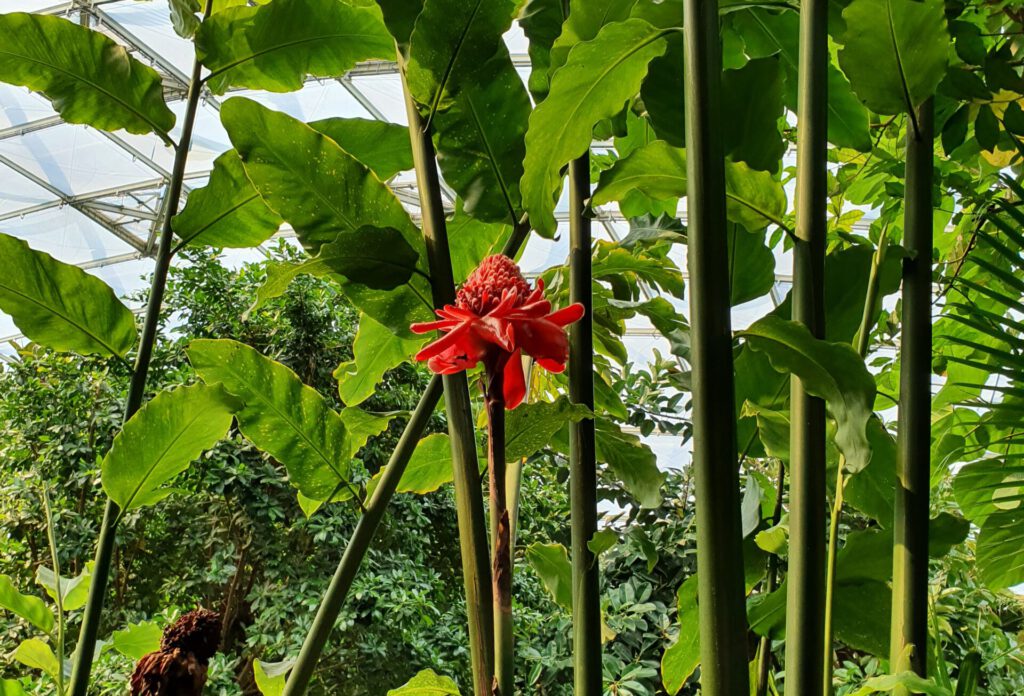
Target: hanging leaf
{"type": "Point", "coordinates": [551, 563]}
{"type": "Point", "coordinates": [766, 34]}
{"type": "Point", "coordinates": [383, 147]}
{"type": "Point", "coordinates": [36, 654]}
{"type": "Point", "coordinates": [895, 52]}
{"type": "Point", "coordinates": [282, 416]}
{"type": "Point", "coordinates": [597, 79]}
{"type": "Point", "coordinates": [60, 306]}
{"type": "Point", "coordinates": [271, 676]}
{"type": "Point", "coordinates": [28, 607]}
{"type": "Point", "coordinates": [632, 462]}
{"type": "Point", "coordinates": [323, 191]}
{"type": "Point", "coordinates": [162, 439]}
{"type": "Point", "coordinates": [480, 143]}
{"type": "Point", "coordinates": [377, 257]}
{"type": "Point", "coordinates": [451, 40]}
{"type": "Point", "coordinates": [427, 683]}
{"type": "Point", "coordinates": [74, 591]}
{"type": "Point", "coordinates": [751, 108]}
{"type": "Point", "coordinates": [681, 658]}
{"type": "Point", "coordinates": [998, 550]}
{"type": "Point", "coordinates": [541, 22]}
{"type": "Point", "coordinates": [280, 275]}
{"type": "Point", "coordinates": [751, 265]}
{"type": "Point", "coordinates": [87, 76]}
{"type": "Point", "coordinates": [832, 371]}
{"type": "Point", "coordinates": [376, 350]}
{"type": "Point", "coordinates": [753, 199]}
{"type": "Point", "coordinates": [227, 212]}
{"type": "Point", "coordinates": [430, 466]}
{"type": "Point", "coordinates": [183, 17]}
{"type": "Point", "coordinates": [531, 426]}
{"type": "Point", "coordinates": [273, 47]}
{"type": "Point", "coordinates": [137, 640]}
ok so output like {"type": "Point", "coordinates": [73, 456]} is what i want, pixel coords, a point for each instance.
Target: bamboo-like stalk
{"type": "Point", "coordinates": [468, 501]}
{"type": "Point", "coordinates": [764, 648]}
{"type": "Point", "coordinates": [805, 600]}
{"type": "Point", "coordinates": [586, 599]}
{"type": "Point", "coordinates": [723, 620]}
{"type": "Point", "coordinates": [85, 649]}
{"type": "Point", "coordinates": [910, 514]}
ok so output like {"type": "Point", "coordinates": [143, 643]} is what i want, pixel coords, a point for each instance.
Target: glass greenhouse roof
{"type": "Point", "coordinates": [94, 199]}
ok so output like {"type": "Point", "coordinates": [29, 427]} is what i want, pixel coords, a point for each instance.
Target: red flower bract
{"type": "Point", "coordinates": [497, 317]}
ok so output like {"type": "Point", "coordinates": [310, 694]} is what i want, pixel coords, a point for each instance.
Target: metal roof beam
{"type": "Point", "coordinates": [30, 127]}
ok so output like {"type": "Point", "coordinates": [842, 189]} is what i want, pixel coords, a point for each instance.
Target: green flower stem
{"type": "Point", "coordinates": [586, 600]}
{"type": "Point", "coordinates": [908, 645]}
{"type": "Point", "coordinates": [51, 538]}
{"type": "Point", "coordinates": [359, 543]}
{"type": "Point", "coordinates": [805, 601]}
{"type": "Point", "coordinates": [721, 596]}
{"type": "Point", "coordinates": [764, 649]}
{"type": "Point", "coordinates": [861, 344]}
{"type": "Point", "coordinates": [466, 474]}
{"type": "Point", "coordinates": [501, 538]}
{"type": "Point", "coordinates": [86, 647]}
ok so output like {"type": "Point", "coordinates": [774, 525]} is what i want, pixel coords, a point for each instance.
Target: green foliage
{"type": "Point", "coordinates": [88, 77]}
{"type": "Point", "coordinates": [61, 306]}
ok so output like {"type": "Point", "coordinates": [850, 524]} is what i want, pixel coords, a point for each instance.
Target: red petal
{"type": "Point", "coordinates": [566, 315]}
{"type": "Point", "coordinates": [542, 340]}
{"type": "Point", "coordinates": [428, 326]}
{"type": "Point", "coordinates": [514, 385]}
{"type": "Point", "coordinates": [496, 331]}
{"type": "Point", "coordinates": [442, 344]}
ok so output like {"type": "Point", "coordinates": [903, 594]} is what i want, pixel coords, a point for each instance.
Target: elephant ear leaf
{"type": "Point", "coordinates": [895, 52]}
{"type": "Point", "coordinates": [87, 76]}
{"type": "Point", "coordinates": [61, 306]}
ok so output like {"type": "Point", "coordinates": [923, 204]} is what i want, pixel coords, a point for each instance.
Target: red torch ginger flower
{"type": "Point", "coordinates": [495, 319]}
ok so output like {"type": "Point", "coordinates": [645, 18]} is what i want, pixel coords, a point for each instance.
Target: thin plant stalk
{"type": "Point", "coordinates": [359, 543]}
{"type": "Point", "coordinates": [466, 473]}
{"type": "Point", "coordinates": [51, 538]}
{"type": "Point", "coordinates": [805, 600]}
{"type": "Point", "coordinates": [764, 648]}
{"type": "Point", "coordinates": [86, 646]}
{"type": "Point", "coordinates": [501, 541]}
{"type": "Point", "coordinates": [586, 600]}
{"type": "Point", "coordinates": [721, 596]}
{"type": "Point", "coordinates": [860, 341]}
{"type": "Point", "coordinates": [909, 636]}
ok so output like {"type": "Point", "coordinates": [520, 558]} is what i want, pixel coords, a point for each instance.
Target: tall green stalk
{"type": "Point", "coordinates": [805, 600]}
{"type": "Point", "coordinates": [85, 649]}
{"type": "Point", "coordinates": [468, 501]}
{"type": "Point", "coordinates": [723, 620]}
{"type": "Point", "coordinates": [586, 599]}
{"type": "Point", "coordinates": [908, 647]}
{"type": "Point", "coordinates": [51, 538]}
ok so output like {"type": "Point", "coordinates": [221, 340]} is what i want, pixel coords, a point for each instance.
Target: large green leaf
{"type": "Point", "coordinates": [137, 640]}
{"type": "Point", "coordinates": [999, 548]}
{"type": "Point", "coordinates": [381, 146]}
{"type": "Point", "coordinates": [37, 654]}
{"type": "Point", "coordinates": [227, 212]}
{"type": "Point", "coordinates": [271, 676]}
{"type": "Point", "coordinates": [282, 416]}
{"type": "Point", "coordinates": [452, 39]}
{"type": "Point", "coordinates": [376, 350]}
{"type": "Point", "coordinates": [632, 462]}
{"type": "Point", "coordinates": [162, 439]}
{"type": "Point", "coordinates": [11, 687]}
{"type": "Point", "coordinates": [766, 34]}
{"type": "Point", "coordinates": [989, 486]}
{"type": "Point", "coordinates": [480, 144]}
{"type": "Point", "coordinates": [61, 306]}
{"type": "Point", "coordinates": [682, 657]}
{"type": "Point", "coordinates": [322, 191]}
{"type": "Point", "coordinates": [275, 46]}
{"type": "Point", "coordinates": [551, 563]}
{"type": "Point", "coordinates": [430, 466]}
{"type": "Point", "coordinates": [594, 84]}
{"type": "Point", "coordinates": [530, 427]}
{"type": "Point", "coordinates": [751, 108]}
{"type": "Point", "coordinates": [471, 240]}
{"type": "Point", "coordinates": [585, 20]}
{"type": "Point", "coordinates": [895, 52]}
{"type": "Point", "coordinates": [427, 683]}
{"type": "Point", "coordinates": [377, 257]}
{"type": "Point", "coordinates": [751, 265]}
{"type": "Point", "coordinates": [754, 199]}
{"type": "Point", "coordinates": [74, 591]}
{"type": "Point", "coordinates": [832, 371]}
{"type": "Point", "coordinates": [541, 22]}
{"type": "Point", "coordinates": [87, 76]}
{"type": "Point", "coordinates": [28, 607]}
